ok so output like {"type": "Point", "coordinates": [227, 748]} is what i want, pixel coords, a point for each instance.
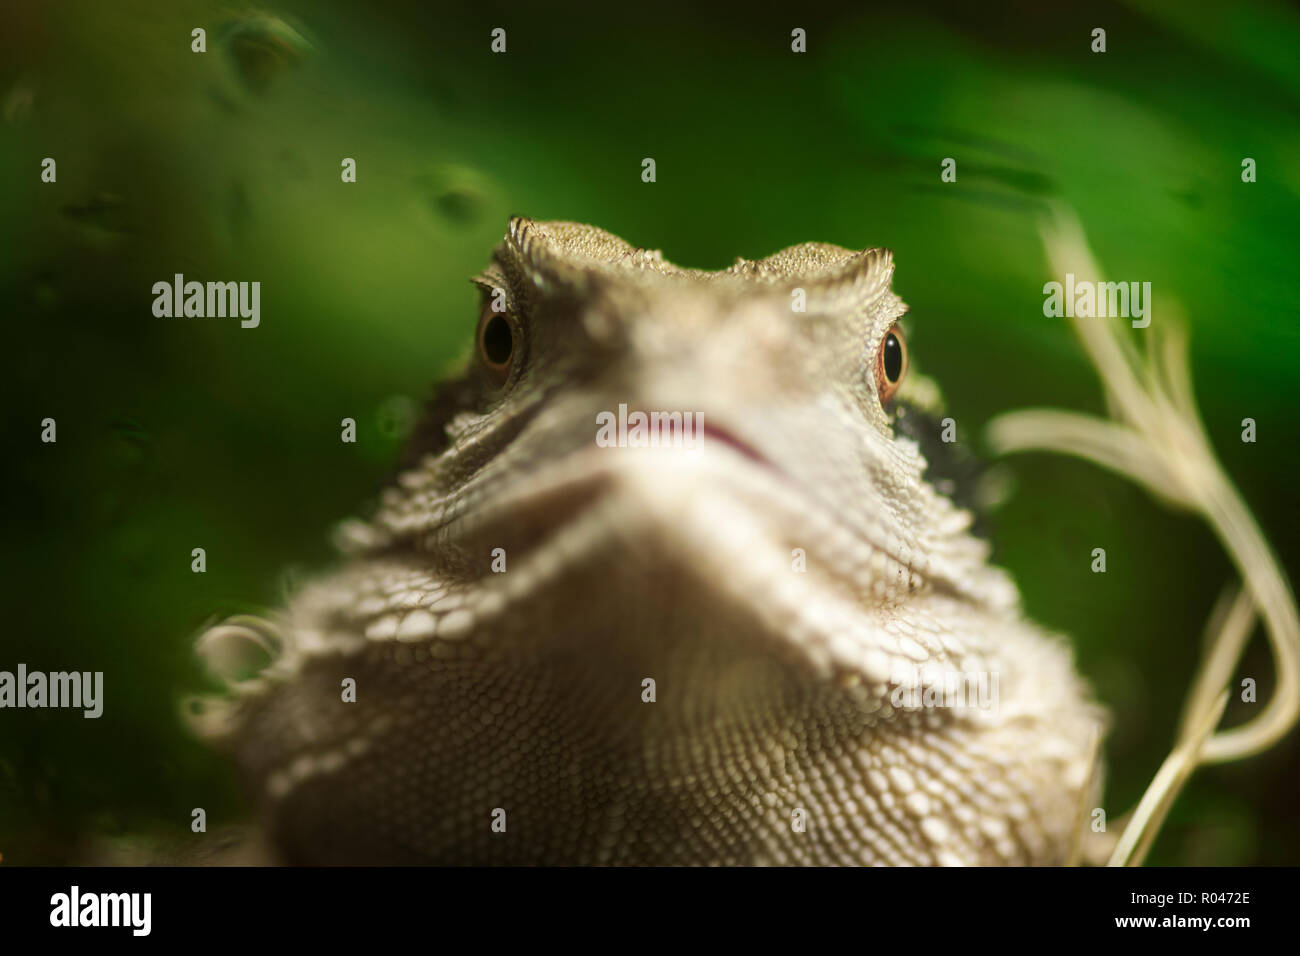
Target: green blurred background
{"type": "Point", "coordinates": [175, 434]}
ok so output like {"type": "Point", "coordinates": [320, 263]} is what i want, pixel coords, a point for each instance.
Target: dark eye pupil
{"type": "Point", "coordinates": [893, 358]}
{"type": "Point", "coordinates": [498, 343]}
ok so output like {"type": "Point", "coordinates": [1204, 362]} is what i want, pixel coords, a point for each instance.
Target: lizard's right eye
{"type": "Point", "coordinates": [496, 344]}
{"type": "Point", "coordinates": [891, 364]}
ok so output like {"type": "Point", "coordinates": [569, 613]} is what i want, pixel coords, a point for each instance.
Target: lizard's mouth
{"type": "Point", "coordinates": [830, 493]}
{"type": "Point", "coordinates": [695, 497]}
{"type": "Point", "coordinates": [526, 505]}
{"type": "Point", "coordinates": [724, 437]}
{"type": "Point", "coordinates": [642, 535]}
{"type": "Point", "coordinates": [526, 509]}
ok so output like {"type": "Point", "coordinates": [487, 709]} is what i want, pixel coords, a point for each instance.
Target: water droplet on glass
{"type": "Point", "coordinates": [263, 47]}
{"type": "Point", "coordinates": [458, 196]}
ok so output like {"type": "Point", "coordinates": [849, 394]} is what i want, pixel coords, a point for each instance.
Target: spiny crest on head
{"type": "Point", "coordinates": [570, 253]}
{"type": "Point", "coordinates": [835, 278]}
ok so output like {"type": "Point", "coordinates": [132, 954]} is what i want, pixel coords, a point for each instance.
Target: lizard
{"type": "Point", "coordinates": [739, 652]}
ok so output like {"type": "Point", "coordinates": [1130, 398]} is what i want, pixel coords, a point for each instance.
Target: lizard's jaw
{"type": "Point", "coordinates": [719, 520]}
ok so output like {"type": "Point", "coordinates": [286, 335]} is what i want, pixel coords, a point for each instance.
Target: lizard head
{"type": "Point", "coordinates": [776, 385]}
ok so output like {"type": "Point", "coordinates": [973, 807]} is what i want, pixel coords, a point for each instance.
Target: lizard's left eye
{"type": "Point", "coordinates": [891, 364]}
{"type": "Point", "coordinates": [496, 344]}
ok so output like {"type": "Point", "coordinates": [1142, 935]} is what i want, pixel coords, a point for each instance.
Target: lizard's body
{"type": "Point", "coordinates": [779, 584]}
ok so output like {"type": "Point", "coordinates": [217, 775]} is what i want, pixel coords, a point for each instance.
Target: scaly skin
{"type": "Point", "coordinates": [776, 734]}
